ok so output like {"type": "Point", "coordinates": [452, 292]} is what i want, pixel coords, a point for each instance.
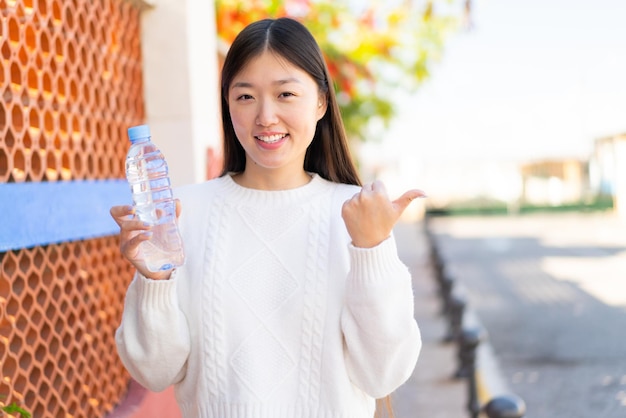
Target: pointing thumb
{"type": "Point", "coordinates": [403, 201]}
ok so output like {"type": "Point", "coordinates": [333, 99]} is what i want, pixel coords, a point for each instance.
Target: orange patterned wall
{"type": "Point", "coordinates": [61, 305]}
{"type": "Point", "coordinates": [70, 85]}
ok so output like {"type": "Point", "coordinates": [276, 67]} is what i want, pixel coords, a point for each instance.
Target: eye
{"type": "Point", "coordinates": [287, 94]}
{"type": "Point", "coordinates": [244, 97]}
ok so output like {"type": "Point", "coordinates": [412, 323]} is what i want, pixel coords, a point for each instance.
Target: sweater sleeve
{"type": "Point", "coordinates": [153, 338]}
{"type": "Point", "coordinates": [382, 338]}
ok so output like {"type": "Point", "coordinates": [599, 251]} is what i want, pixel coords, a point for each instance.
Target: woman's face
{"type": "Point", "coordinates": [274, 107]}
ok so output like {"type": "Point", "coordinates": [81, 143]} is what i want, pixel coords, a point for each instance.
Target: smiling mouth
{"type": "Point", "coordinates": [270, 139]}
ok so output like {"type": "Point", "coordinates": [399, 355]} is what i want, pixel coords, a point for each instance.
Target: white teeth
{"type": "Point", "coordinates": [271, 139]}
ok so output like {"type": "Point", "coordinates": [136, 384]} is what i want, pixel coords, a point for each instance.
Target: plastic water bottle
{"type": "Point", "coordinates": [147, 174]}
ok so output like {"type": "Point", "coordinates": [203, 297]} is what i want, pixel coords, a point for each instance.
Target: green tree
{"type": "Point", "coordinates": [373, 51]}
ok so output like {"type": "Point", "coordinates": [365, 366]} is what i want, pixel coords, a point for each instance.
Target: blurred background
{"type": "Point", "coordinates": [525, 109]}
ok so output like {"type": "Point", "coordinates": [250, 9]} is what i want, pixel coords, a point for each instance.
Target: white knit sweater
{"type": "Point", "coordinates": [274, 314]}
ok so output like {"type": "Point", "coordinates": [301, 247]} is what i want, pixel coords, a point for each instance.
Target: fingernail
{"type": "Point", "coordinates": [147, 234]}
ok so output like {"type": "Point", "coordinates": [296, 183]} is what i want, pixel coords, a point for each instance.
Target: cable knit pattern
{"type": "Point", "coordinates": [274, 314]}
{"type": "Point", "coordinates": [316, 269]}
{"type": "Point", "coordinates": [213, 317]}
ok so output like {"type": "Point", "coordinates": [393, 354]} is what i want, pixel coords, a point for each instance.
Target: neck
{"type": "Point", "coordinates": [273, 181]}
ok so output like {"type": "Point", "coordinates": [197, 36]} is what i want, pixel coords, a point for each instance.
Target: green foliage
{"type": "Point", "coordinates": [13, 408]}
{"type": "Point", "coordinates": [374, 51]}
{"type": "Point", "coordinates": [485, 207]}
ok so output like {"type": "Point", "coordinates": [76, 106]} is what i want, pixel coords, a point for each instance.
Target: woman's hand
{"type": "Point", "coordinates": [132, 233]}
{"type": "Point", "coordinates": [370, 215]}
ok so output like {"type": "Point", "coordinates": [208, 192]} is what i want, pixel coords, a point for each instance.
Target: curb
{"type": "Point", "coordinates": [489, 380]}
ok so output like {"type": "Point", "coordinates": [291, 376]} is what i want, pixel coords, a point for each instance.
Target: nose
{"type": "Point", "coordinates": [266, 115]}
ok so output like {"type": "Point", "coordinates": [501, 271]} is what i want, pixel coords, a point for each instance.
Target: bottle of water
{"type": "Point", "coordinates": [147, 174]}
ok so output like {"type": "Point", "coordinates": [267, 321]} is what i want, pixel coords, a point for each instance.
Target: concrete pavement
{"type": "Point", "coordinates": [549, 288]}
{"type": "Point", "coordinates": [433, 391]}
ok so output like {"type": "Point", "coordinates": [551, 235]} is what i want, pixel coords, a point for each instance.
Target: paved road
{"type": "Point", "coordinates": [551, 291]}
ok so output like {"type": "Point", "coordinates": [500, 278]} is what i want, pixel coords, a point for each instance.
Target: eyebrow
{"type": "Point", "coordinates": [280, 82]}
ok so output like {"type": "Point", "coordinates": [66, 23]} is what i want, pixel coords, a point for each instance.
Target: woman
{"type": "Point", "coordinates": [292, 301]}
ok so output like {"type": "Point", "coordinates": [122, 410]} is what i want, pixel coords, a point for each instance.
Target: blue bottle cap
{"type": "Point", "coordinates": [137, 132]}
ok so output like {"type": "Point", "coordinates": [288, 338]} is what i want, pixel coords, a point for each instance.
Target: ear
{"type": "Point", "coordinates": [322, 106]}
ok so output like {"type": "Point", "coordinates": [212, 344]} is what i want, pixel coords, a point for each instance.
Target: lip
{"type": "Point", "coordinates": [272, 140]}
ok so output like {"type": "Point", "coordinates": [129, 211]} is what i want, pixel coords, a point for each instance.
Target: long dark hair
{"type": "Point", "coordinates": [329, 152]}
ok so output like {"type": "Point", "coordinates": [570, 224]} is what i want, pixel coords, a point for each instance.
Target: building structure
{"type": "Point", "coordinates": [74, 76]}
{"type": "Point", "coordinates": [554, 182]}
{"type": "Point", "coordinates": [607, 170]}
